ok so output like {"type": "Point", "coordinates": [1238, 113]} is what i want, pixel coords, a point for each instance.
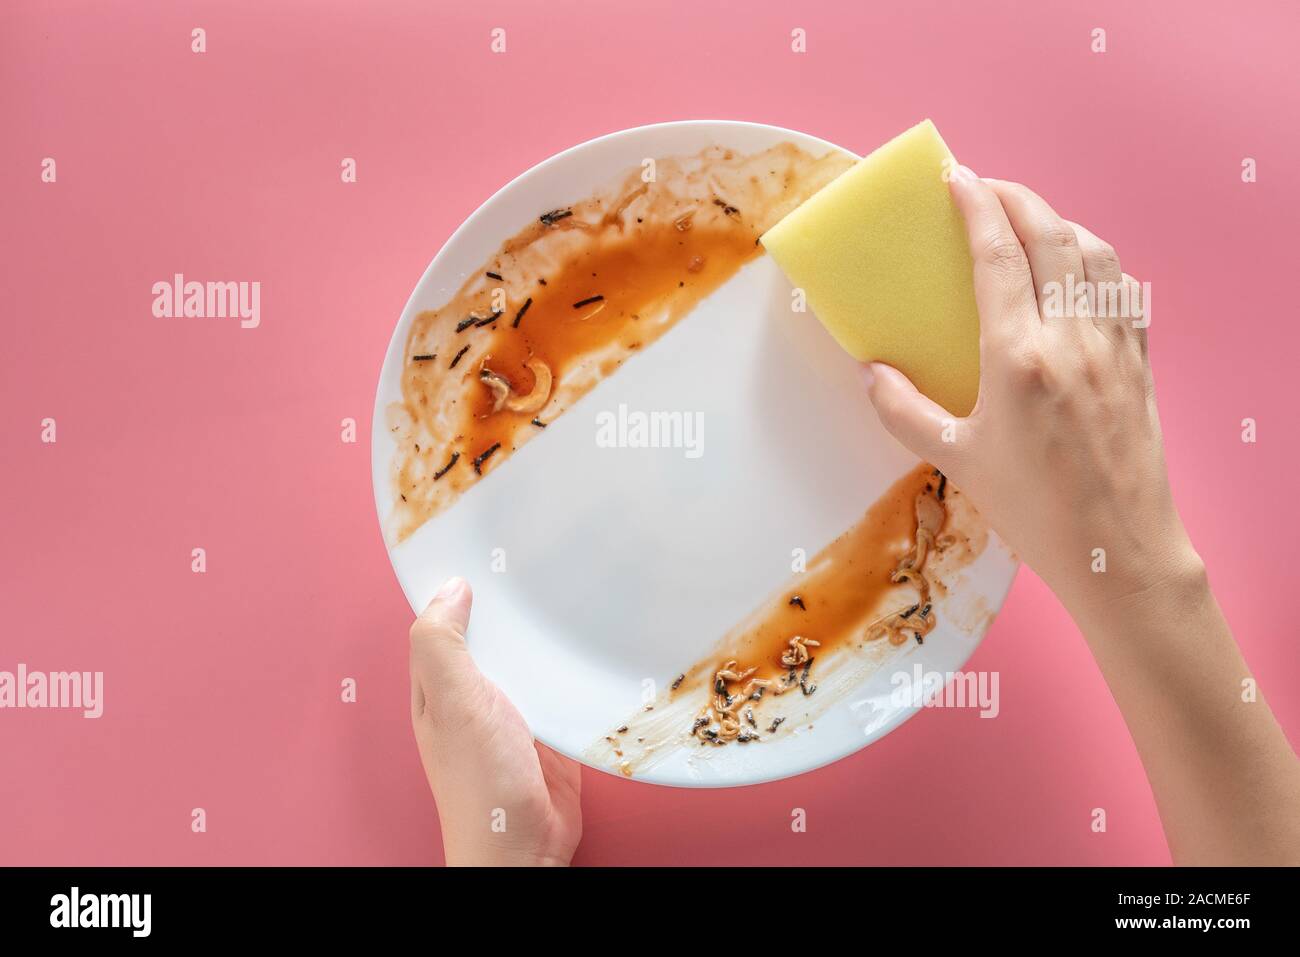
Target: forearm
{"type": "Point", "coordinates": [1062, 455]}
{"type": "Point", "coordinates": [1225, 779]}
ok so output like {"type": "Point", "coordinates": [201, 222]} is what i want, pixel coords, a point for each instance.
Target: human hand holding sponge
{"type": "Point", "coordinates": [883, 257]}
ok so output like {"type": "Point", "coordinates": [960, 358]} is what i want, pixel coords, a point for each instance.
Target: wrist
{"type": "Point", "coordinates": [490, 857]}
{"type": "Point", "coordinates": [499, 853]}
{"type": "Point", "coordinates": [1164, 579]}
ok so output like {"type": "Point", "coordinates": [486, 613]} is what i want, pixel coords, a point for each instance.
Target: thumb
{"type": "Point", "coordinates": [923, 426]}
{"type": "Point", "coordinates": [438, 635]}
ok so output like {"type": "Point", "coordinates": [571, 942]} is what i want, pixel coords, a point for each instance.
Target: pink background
{"type": "Point", "coordinates": [222, 690]}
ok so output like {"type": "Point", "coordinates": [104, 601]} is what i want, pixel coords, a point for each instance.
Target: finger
{"type": "Point", "coordinates": [1004, 286]}
{"type": "Point", "coordinates": [1139, 311]}
{"type": "Point", "coordinates": [1100, 261]}
{"type": "Point", "coordinates": [449, 608]}
{"type": "Point", "coordinates": [923, 426]}
{"type": "Point", "coordinates": [1105, 282]}
{"type": "Point", "coordinates": [559, 772]}
{"type": "Point", "coordinates": [1052, 247]}
{"type": "Point", "coordinates": [438, 651]}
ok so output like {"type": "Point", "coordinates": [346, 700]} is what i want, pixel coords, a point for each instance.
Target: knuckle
{"type": "Point", "coordinates": [426, 630]}
{"type": "Point", "coordinates": [1058, 236]}
{"type": "Point", "coordinates": [1031, 373]}
{"type": "Point", "coordinates": [1002, 252]}
{"type": "Point", "coordinates": [1095, 373]}
{"type": "Point", "coordinates": [1101, 255]}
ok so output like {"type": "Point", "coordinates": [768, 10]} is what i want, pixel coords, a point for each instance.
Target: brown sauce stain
{"type": "Point", "coordinates": [651, 251]}
{"type": "Point", "coordinates": [843, 590]}
{"type": "Point", "coordinates": [632, 276]}
{"type": "Point", "coordinates": [851, 598]}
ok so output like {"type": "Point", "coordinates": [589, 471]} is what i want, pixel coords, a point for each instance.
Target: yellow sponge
{"type": "Point", "coordinates": [882, 256]}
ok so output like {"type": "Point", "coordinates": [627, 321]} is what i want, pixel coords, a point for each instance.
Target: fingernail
{"type": "Point", "coordinates": [450, 589]}
{"type": "Point", "coordinates": [868, 376]}
{"type": "Point", "coordinates": [966, 173]}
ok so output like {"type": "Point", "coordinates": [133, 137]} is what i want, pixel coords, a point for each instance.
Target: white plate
{"type": "Point", "coordinates": [624, 565]}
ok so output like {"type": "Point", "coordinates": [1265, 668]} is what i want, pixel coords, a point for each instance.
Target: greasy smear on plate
{"type": "Point", "coordinates": [879, 586]}
{"type": "Point", "coordinates": [569, 298]}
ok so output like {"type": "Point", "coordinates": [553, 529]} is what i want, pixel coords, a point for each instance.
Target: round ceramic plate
{"type": "Point", "coordinates": [598, 572]}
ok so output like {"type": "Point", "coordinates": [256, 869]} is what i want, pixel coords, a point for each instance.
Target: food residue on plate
{"type": "Point", "coordinates": [881, 579]}
{"type": "Point", "coordinates": [566, 300]}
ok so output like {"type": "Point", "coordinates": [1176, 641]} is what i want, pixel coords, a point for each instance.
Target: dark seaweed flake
{"type": "Point", "coordinates": [484, 456]}
{"type": "Point", "coordinates": [520, 314]}
{"type": "Point", "coordinates": [455, 457]}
